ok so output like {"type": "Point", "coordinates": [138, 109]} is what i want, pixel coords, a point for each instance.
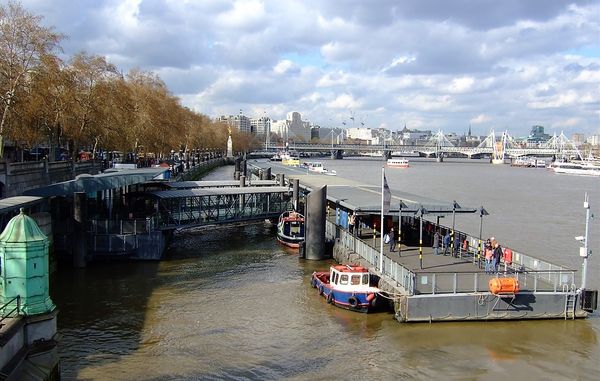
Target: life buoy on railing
{"type": "Point", "coordinates": [353, 301]}
{"type": "Point", "coordinates": [330, 298]}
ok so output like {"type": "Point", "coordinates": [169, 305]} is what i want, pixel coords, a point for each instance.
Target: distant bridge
{"type": "Point", "coordinates": [499, 147]}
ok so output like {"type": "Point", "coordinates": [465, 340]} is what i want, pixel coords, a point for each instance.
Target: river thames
{"type": "Point", "coordinates": [230, 303]}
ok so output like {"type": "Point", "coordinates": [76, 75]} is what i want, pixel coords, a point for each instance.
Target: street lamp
{"type": "Point", "coordinates": [583, 251]}
{"type": "Point", "coordinates": [402, 205]}
{"type": "Point", "coordinates": [482, 212]}
{"type": "Point", "coordinates": [420, 213]}
{"type": "Point", "coordinates": [454, 207]}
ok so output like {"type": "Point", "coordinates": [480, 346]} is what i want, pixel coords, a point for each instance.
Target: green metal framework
{"type": "Point", "coordinates": [199, 210]}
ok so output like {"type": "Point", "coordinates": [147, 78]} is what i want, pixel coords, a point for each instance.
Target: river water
{"type": "Point", "coordinates": [232, 304]}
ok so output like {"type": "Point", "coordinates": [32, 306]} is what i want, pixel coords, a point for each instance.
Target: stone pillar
{"type": "Point", "coordinates": [79, 233]}
{"type": "Point", "coordinates": [296, 194]}
{"type": "Point", "coordinates": [315, 224]}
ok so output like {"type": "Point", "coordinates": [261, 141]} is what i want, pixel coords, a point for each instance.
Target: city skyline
{"type": "Point", "coordinates": [424, 64]}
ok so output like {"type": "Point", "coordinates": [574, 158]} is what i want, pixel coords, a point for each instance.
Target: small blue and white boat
{"type": "Point", "coordinates": [348, 287]}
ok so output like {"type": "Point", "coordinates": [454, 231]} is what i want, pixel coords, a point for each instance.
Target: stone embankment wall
{"type": "Point", "coordinates": [16, 178]}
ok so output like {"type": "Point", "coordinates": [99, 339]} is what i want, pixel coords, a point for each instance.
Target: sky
{"type": "Point", "coordinates": [427, 64]}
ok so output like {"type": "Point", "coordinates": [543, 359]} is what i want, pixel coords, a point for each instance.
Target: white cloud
{"type": "Point", "coordinates": [481, 118]}
{"type": "Point", "coordinates": [435, 65]}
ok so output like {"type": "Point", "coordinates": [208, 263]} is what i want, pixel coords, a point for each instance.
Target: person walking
{"type": "Point", "coordinates": [436, 243]}
{"type": "Point", "coordinates": [351, 222]}
{"type": "Point", "coordinates": [446, 243]}
{"type": "Point", "coordinates": [392, 240]}
{"type": "Point", "coordinates": [488, 258]}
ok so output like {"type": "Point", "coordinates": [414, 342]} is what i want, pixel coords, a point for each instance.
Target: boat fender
{"type": "Point", "coordinates": [330, 297]}
{"type": "Point", "coordinates": [370, 297]}
{"type": "Point", "coordinates": [353, 301]}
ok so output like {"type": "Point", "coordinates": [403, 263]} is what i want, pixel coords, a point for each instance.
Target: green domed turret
{"type": "Point", "coordinates": [24, 265]}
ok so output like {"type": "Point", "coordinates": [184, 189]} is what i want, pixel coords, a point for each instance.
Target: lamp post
{"type": "Point", "coordinates": [454, 207]}
{"type": "Point", "coordinates": [482, 212]}
{"type": "Point", "coordinates": [402, 204]}
{"type": "Point", "coordinates": [420, 213]}
{"type": "Point", "coordinates": [584, 251]}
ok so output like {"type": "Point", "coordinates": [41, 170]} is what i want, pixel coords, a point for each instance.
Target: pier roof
{"type": "Point", "coordinates": [200, 192]}
{"type": "Point", "coordinates": [217, 184]}
{"type": "Point", "coordinates": [94, 183]}
{"type": "Point", "coordinates": [14, 203]}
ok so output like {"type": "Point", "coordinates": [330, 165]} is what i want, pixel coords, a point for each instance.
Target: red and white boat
{"type": "Point", "coordinates": [290, 229]}
{"type": "Point", "coordinates": [397, 163]}
{"type": "Point", "coordinates": [348, 287]}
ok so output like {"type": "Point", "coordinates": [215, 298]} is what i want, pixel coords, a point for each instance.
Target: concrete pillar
{"type": "Point", "coordinates": [268, 174]}
{"type": "Point", "coordinates": [80, 236]}
{"type": "Point", "coordinates": [244, 167]}
{"type": "Point", "coordinates": [236, 175]}
{"type": "Point", "coordinates": [314, 226]}
{"type": "Point", "coordinates": [242, 181]}
{"type": "Point", "coordinates": [278, 178]}
{"type": "Point", "coordinates": [282, 180]}
{"type": "Point", "coordinates": [296, 194]}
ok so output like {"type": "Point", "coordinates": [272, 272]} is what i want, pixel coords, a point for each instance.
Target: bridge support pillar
{"type": "Point", "coordinates": [80, 231]}
{"type": "Point", "coordinates": [316, 202]}
{"type": "Point", "coordinates": [440, 157]}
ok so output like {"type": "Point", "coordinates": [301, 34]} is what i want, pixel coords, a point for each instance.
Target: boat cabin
{"type": "Point", "coordinates": [346, 276]}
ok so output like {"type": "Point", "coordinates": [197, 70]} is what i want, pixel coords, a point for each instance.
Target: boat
{"type": "Point", "coordinates": [397, 163]}
{"type": "Point", "coordinates": [290, 229]}
{"type": "Point", "coordinates": [317, 167]}
{"type": "Point", "coordinates": [348, 286]}
{"type": "Point", "coordinates": [290, 158]}
{"type": "Point", "coordinates": [576, 167]}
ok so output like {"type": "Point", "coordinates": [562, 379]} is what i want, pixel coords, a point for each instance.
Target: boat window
{"type": "Point", "coordinates": [335, 278]}
{"type": "Point", "coordinates": [355, 280]}
{"type": "Point", "coordinates": [365, 279]}
{"type": "Point", "coordinates": [344, 279]}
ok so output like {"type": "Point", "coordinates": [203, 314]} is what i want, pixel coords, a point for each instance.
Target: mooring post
{"type": "Point", "coordinates": [315, 224]}
{"type": "Point", "coordinates": [80, 231]}
{"type": "Point", "coordinates": [242, 181]}
{"type": "Point", "coordinates": [282, 180]}
{"type": "Point", "coordinates": [296, 193]}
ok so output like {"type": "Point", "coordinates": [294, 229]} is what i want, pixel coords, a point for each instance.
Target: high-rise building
{"type": "Point", "coordinates": [261, 126]}
{"type": "Point", "coordinates": [241, 122]}
{"type": "Point", "coordinates": [292, 128]}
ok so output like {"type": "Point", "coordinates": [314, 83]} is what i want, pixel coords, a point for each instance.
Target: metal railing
{"type": "Point", "coordinates": [4, 314]}
{"type": "Point", "coordinates": [128, 226]}
{"type": "Point", "coordinates": [471, 282]}
{"type": "Point", "coordinates": [395, 271]}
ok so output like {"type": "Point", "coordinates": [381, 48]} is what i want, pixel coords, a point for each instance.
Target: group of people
{"type": "Point", "coordinates": [447, 239]}
{"type": "Point", "coordinates": [492, 253]}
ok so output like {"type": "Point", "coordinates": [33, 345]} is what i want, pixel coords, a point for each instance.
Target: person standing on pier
{"type": "Point", "coordinates": [446, 243]}
{"type": "Point", "coordinates": [392, 240]}
{"type": "Point", "coordinates": [351, 222]}
{"type": "Point", "coordinates": [496, 258]}
{"type": "Point", "coordinates": [488, 257]}
{"type": "Point", "coordinates": [436, 243]}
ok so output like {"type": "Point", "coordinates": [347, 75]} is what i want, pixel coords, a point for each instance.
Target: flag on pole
{"type": "Point", "coordinates": [386, 196]}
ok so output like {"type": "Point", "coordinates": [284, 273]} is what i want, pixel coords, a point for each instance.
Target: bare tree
{"type": "Point", "coordinates": [23, 42]}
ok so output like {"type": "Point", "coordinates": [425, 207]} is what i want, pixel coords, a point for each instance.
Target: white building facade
{"type": "Point", "coordinates": [261, 126]}
{"type": "Point", "coordinates": [292, 128]}
{"type": "Point", "coordinates": [240, 122]}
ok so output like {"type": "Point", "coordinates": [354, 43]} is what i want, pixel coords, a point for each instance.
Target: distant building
{"type": "Point", "coordinates": [260, 126]}
{"type": "Point", "coordinates": [594, 140]}
{"type": "Point", "coordinates": [292, 128]}
{"type": "Point", "coordinates": [364, 134]}
{"type": "Point", "coordinates": [414, 137]}
{"type": "Point", "coordinates": [338, 135]}
{"type": "Point", "coordinates": [537, 135]}
{"type": "Point", "coordinates": [240, 122]}
{"type": "Point", "coordinates": [578, 139]}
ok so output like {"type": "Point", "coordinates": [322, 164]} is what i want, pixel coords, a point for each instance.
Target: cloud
{"type": "Point", "coordinates": [427, 63]}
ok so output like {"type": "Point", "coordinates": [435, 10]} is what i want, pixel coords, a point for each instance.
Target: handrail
{"type": "Point", "coordinates": [5, 315]}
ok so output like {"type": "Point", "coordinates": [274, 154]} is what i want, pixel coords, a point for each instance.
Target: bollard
{"type": "Point", "coordinates": [315, 224]}
{"type": "Point", "coordinates": [242, 181]}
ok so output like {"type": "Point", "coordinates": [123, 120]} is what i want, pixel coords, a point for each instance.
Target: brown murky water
{"type": "Point", "coordinates": [232, 304]}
